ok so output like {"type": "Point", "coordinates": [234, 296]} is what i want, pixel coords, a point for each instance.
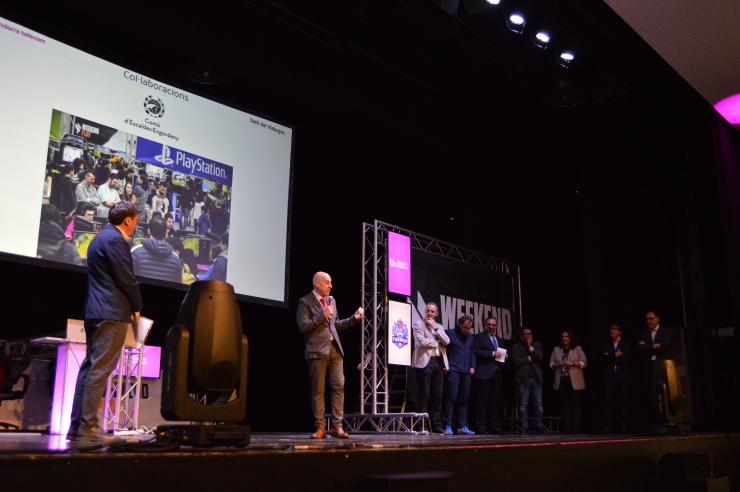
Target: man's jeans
{"type": "Point", "coordinates": [530, 391]}
{"type": "Point", "coordinates": [184, 217]}
{"type": "Point", "coordinates": [458, 388]}
{"type": "Point", "coordinates": [105, 339]}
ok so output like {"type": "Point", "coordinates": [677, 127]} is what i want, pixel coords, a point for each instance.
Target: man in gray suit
{"type": "Point", "coordinates": [317, 320]}
{"type": "Point", "coordinates": [430, 361]}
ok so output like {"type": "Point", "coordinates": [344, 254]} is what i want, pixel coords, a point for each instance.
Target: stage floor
{"type": "Point", "coordinates": [290, 461]}
{"type": "Point", "coordinates": [14, 443]}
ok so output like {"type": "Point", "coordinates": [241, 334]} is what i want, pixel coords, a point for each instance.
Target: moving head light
{"type": "Point", "coordinates": [206, 354]}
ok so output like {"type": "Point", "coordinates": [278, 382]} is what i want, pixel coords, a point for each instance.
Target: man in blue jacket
{"type": "Point", "coordinates": [154, 257]}
{"type": "Point", "coordinates": [461, 366]}
{"type": "Point", "coordinates": [218, 269]}
{"type": "Point", "coordinates": [113, 302]}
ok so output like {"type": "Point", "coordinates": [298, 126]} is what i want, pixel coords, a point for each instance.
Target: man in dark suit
{"type": "Point", "coordinates": [654, 343]}
{"type": "Point", "coordinates": [527, 355]}
{"type": "Point", "coordinates": [615, 358]}
{"type": "Point", "coordinates": [317, 320]}
{"type": "Point", "coordinates": [113, 302]}
{"type": "Point", "coordinates": [488, 376]}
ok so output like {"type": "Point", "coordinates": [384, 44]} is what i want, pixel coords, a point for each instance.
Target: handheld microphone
{"type": "Point", "coordinates": [329, 299]}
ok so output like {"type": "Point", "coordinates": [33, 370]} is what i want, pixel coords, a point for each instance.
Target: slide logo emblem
{"type": "Point", "coordinates": [400, 333]}
{"type": "Point", "coordinates": [164, 157]}
{"type": "Point", "coordinates": [154, 106]}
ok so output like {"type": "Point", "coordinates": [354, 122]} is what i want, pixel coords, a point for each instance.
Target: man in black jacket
{"type": "Point", "coordinates": [527, 355]}
{"type": "Point", "coordinates": [66, 191]}
{"type": "Point", "coordinates": [186, 205]}
{"type": "Point", "coordinates": [654, 343]}
{"type": "Point", "coordinates": [489, 360]}
{"type": "Point", "coordinates": [615, 358]}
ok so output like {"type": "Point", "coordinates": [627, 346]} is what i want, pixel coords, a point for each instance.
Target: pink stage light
{"type": "Point", "coordinates": [730, 109]}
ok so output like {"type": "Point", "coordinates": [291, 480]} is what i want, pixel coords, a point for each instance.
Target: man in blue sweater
{"type": "Point", "coordinates": [461, 366]}
{"type": "Point", "coordinates": [154, 257]}
{"type": "Point", "coordinates": [218, 269]}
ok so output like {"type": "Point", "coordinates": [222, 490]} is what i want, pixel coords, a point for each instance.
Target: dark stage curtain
{"type": "Point", "coordinates": [727, 156]}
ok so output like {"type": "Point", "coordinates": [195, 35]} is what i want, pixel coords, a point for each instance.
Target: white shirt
{"type": "Point", "coordinates": [615, 350]}
{"type": "Point", "coordinates": [331, 335]}
{"type": "Point", "coordinates": [652, 334]}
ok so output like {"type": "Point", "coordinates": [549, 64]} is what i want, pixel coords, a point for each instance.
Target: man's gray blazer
{"type": "Point", "coordinates": [426, 343]}
{"type": "Point", "coordinates": [316, 330]}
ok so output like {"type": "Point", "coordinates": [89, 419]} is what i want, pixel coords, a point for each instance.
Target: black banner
{"type": "Point", "coordinates": [459, 289]}
{"type": "Point", "coordinates": [95, 133]}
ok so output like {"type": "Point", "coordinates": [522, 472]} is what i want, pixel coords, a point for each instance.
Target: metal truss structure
{"type": "Point", "coordinates": [375, 391]}
{"type": "Point", "coordinates": [514, 425]}
{"type": "Point", "coordinates": [413, 423]}
{"type": "Point", "coordinates": [123, 392]}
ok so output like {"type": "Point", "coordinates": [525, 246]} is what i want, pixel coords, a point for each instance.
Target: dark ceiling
{"type": "Point", "coordinates": [406, 65]}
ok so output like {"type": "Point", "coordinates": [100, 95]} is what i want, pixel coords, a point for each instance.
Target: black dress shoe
{"type": "Point", "coordinates": [499, 432]}
{"type": "Point", "coordinates": [540, 429]}
{"type": "Point", "coordinates": [525, 431]}
{"type": "Point", "coordinates": [438, 430]}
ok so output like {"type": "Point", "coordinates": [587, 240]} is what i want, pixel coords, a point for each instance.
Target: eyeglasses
{"type": "Point", "coordinates": [526, 334]}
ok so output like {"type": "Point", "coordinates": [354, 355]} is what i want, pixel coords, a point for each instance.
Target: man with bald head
{"type": "Point", "coordinates": [317, 320]}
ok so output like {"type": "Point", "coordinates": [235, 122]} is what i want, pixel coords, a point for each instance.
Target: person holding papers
{"type": "Point", "coordinates": [113, 302]}
{"type": "Point", "coordinates": [490, 356]}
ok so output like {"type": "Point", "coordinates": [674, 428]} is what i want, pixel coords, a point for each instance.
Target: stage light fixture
{"type": "Point", "coordinates": [565, 58]}
{"type": "Point", "coordinates": [494, 2]}
{"type": "Point", "coordinates": [541, 39]}
{"type": "Point", "coordinates": [206, 354]}
{"type": "Point", "coordinates": [516, 23]}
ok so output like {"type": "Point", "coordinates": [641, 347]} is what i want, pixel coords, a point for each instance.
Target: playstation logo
{"type": "Point", "coordinates": [164, 157]}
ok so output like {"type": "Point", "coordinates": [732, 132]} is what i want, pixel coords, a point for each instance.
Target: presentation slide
{"type": "Point", "coordinates": [78, 134]}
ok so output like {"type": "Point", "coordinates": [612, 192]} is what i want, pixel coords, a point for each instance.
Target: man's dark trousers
{"type": "Point", "coordinates": [489, 395]}
{"type": "Point", "coordinates": [617, 389]}
{"type": "Point", "coordinates": [430, 381]}
{"type": "Point", "coordinates": [458, 389]}
{"type": "Point", "coordinates": [318, 369]}
{"type": "Point", "coordinates": [105, 339]}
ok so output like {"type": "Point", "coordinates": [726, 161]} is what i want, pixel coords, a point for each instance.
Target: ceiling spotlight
{"type": "Point", "coordinates": [494, 2]}
{"type": "Point", "coordinates": [541, 40]}
{"type": "Point", "coordinates": [516, 23]}
{"type": "Point", "coordinates": [565, 58]}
